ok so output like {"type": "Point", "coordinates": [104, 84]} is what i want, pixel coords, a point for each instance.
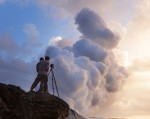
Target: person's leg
{"type": "Point", "coordinates": [45, 79]}
{"type": "Point", "coordinates": [41, 89]}
{"type": "Point", "coordinates": [37, 80]}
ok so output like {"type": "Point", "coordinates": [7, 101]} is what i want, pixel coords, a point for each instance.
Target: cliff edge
{"type": "Point", "coordinates": [15, 103]}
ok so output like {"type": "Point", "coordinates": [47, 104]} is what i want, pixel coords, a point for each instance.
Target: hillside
{"type": "Point", "coordinates": [15, 103]}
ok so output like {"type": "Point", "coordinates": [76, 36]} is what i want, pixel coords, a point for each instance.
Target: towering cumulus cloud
{"type": "Point", "coordinates": [87, 71]}
{"type": "Point", "coordinates": [94, 28]}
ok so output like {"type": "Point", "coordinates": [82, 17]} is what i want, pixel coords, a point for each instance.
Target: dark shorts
{"type": "Point", "coordinates": [42, 77]}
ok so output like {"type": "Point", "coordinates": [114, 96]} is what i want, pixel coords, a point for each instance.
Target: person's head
{"type": "Point", "coordinates": [41, 58]}
{"type": "Point", "coordinates": [47, 58]}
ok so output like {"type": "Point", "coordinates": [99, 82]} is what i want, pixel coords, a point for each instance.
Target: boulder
{"type": "Point", "coordinates": [15, 103]}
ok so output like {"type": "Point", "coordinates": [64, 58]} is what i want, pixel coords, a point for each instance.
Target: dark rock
{"type": "Point", "coordinates": [18, 104]}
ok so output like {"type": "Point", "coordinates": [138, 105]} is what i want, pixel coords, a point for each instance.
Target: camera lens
{"type": "Point", "coordinates": [52, 65]}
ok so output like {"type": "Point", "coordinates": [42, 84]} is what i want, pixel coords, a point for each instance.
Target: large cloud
{"type": "Point", "coordinates": [87, 72]}
{"type": "Point", "coordinates": [93, 27]}
{"type": "Point", "coordinates": [85, 48]}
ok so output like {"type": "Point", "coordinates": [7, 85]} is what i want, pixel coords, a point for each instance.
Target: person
{"type": "Point", "coordinates": [37, 65]}
{"type": "Point", "coordinates": [36, 81]}
{"type": "Point", "coordinates": [43, 70]}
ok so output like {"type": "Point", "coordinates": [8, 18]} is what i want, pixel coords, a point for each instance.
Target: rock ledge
{"type": "Point", "coordinates": [15, 103]}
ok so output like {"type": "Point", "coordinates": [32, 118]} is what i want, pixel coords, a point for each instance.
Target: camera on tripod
{"type": "Point", "coordinates": [52, 65]}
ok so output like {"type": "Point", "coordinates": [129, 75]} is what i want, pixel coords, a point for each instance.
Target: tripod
{"type": "Point", "coordinates": [53, 80]}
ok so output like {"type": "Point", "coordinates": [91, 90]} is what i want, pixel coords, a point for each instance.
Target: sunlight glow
{"type": "Point", "coordinates": [140, 117]}
{"type": "Point", "coordinates": [54, 40]}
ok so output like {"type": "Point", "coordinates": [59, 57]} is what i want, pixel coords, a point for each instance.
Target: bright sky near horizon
{"type": "Point", "coordinates": [95, 44]}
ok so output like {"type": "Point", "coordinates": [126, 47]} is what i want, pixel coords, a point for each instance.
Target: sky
{"type": "Point", "coordinates": [99, 49]}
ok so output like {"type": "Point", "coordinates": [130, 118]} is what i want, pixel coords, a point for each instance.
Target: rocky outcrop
{"type": "Point", "coordinates": [15, 103]}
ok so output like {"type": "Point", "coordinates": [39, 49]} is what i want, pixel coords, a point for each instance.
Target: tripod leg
{"type": "Point", "coordinates": [56, 87]}
{"type": "Point", "coordinates": [53, 80]}
{"type": "Point", "coordinates": [53, 85]}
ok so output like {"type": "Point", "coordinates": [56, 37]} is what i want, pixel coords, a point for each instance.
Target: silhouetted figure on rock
{"type": "Point", "coordinates": [36, 81]}
{"type": "Point", "coordinates": [43, 70]}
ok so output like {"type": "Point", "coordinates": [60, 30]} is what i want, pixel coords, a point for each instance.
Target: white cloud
{"type": "Point", "coordinates": [60, 42]}
{"type": "Point", "coordinates": [87, 69]}
{"type": "Point", "coordinates": [135, 42]}
{"type": "Point", "coordinates": [32, 37]}
{"type": "Point", "coordinates": [31, 31]}
{"type": "Point", "coordinates": [53, 41]}
{"type": "Point", "coordinates": [94, 28]}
